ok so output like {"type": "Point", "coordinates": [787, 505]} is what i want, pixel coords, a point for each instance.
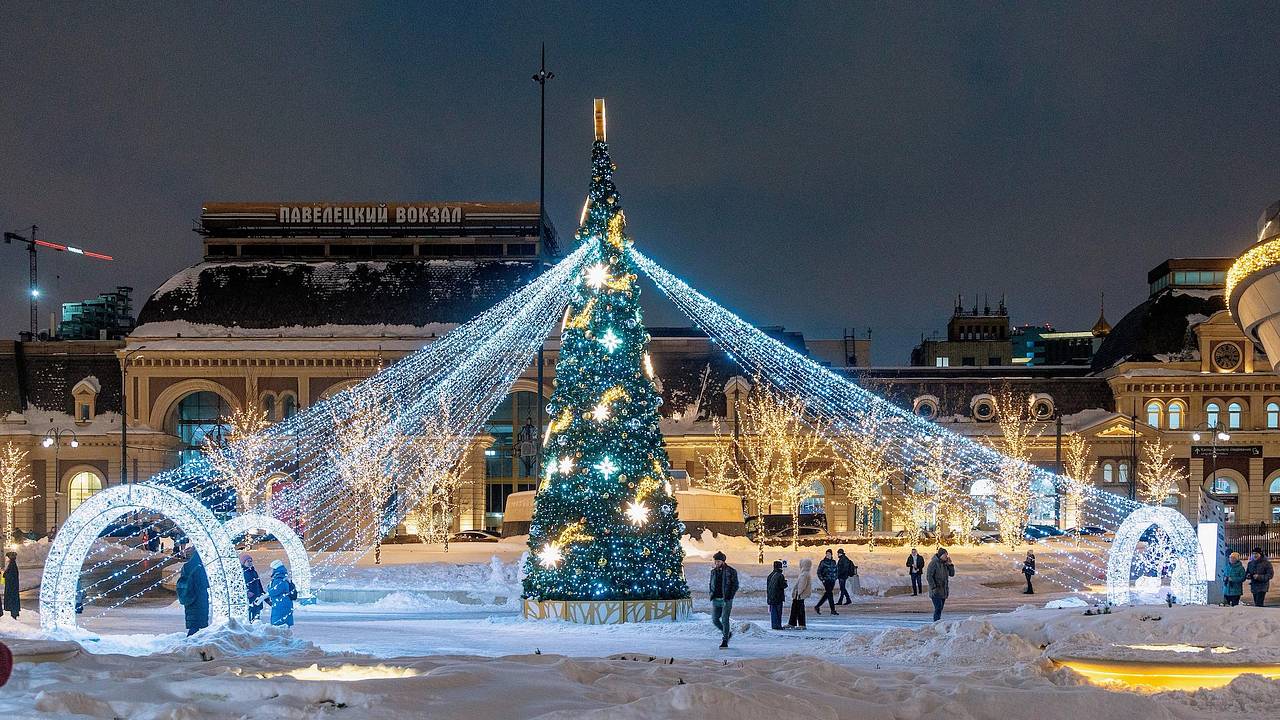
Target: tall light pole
{"type": "Point", "coordinates": [1216, 435]}
{"type": "Point", "coordinates": [53, 439]}
{"type": "Point", "coordinates": [124, 414]}
{"type": "Point", "coordinates": [541, 77]}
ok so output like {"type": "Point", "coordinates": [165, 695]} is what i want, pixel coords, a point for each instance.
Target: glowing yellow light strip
{"type": "Point", "coordinates": [1172, 676]}
{"type": "Point", "coordinates": [1257, 258]}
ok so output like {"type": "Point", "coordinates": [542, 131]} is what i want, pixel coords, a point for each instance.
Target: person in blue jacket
{"type": "Point", "coordinates": [280, 595]}
{"type": "Point", "coordinates": [193, 593]}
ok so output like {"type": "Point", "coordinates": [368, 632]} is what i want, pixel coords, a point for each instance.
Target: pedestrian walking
{"type": "Point", "coordinates": [280, 595]}
{"type": "Point", "coordinates": [845, 569]}
{"type": "Point", "coordinates": [1233, 580]}
{"type": "Point", "coordinates": [915, 568]}
{"type": "Point", "coordinates": [1259, 572]}
{"type": "Point", "coordinates": [800, 595]}
{"type": "Point", "coordinates": [776, 594]}
{"type": "Point", "coordinates": [827, 576]}
{"type": "Point", "coordinates": [724, 585]}
{"type": "Point", "coordinates": [253, 586]}
{"type": "Point", "coordinates": [193, 594]}
{"type": "Point", "coordinates": [938, 575]}
{"type": "Point", "coordinates": [1029, 569]}
{"type": "Point", "coordinates": [12, 601]}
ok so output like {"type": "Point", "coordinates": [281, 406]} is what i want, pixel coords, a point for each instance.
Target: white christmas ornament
{"type": "Point", "coordinates": [1186, 584]}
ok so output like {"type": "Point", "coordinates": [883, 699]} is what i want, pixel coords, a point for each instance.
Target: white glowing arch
{"type": "Point", "coordinates": [1187, 583]}
{"type": "Point", "coordinates": [70, 547]}
{"type": "Point", "coordinates": [299, 563]}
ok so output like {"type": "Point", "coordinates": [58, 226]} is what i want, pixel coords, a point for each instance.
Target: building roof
{"type": "Point", "coordinates": [40, 375]}
{"type": "Point", "coordinates": [1158, 328]}
{"type": "Point", "coordinates": [278, 294]}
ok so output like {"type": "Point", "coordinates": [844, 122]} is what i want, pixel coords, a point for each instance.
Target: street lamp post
{"type": "Point", "coordinates": [124, 414]}
{"type": "Point", "coordinates": [53, 439]}
{"type": "Point", "coordinates": [1216, 435]}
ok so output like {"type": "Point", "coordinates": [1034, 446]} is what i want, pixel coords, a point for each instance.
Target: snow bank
{"type": "Point", "coordinates": [942, 643]}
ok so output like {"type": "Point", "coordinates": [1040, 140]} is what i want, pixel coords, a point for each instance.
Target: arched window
{"type": "Point", "coordinates": [1224, 486]}
{"type": "Point", "coordinates": [1275, 487]}
{"type": "Point", "coordinates": [1124, 473]}
{"type": "Point", "coordinates": [1108, 472]}
{"type": "Point", "coordinates": [269, 406]}
{"type": "Point", "coordinates": [1153, 414]}
{"type": "Point", "coordinates": [1273, 416]}
{"type": "Point", "coordinates": [199, 416]}
{"type": "Point", "coordinates": [288, 406]}
{"type": "Point", "coordinates": [1176, 409]}
{"type": "Point", "coordinates": [1233, 416]}
{"type": "Point", "coordinates": [83, 485]}
{"type": "Point", "coordinates": [1211, 412]}
{"type": "Point", "coordinates": [816, 504]}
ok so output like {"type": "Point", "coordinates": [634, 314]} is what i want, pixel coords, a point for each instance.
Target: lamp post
{"type": "Point", "coordinates": [53, 439]}
{"type": "Point", "coordinates": [1216, 435]}
{"type": "Point", "coordinates": [124, 414]}
{"type": "Point", "coordinates": [541, 77]}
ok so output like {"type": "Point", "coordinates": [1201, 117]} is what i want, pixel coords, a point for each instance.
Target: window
{"type": "Point", "coordinates": [1275, 487]}
{"type": "Point", "coordinates": [1175, 415]}
{"type": "Point", "coordinates": [84, 412]}
{"type": "Point", "coordinates": [288, 406]}
{"type": "Point", "coordinates": [199, 415]}
{"type": "Point", "coordinates": [83, 485]}
{"type": "Point", "coordinates": [269, 407]}
{"type": "Point", "coordinates": [1124, 473]}
{"type": "Point", "coordinates": [1153, 414]}
{"type": "Point", "coordinates": [815, 505]}
{"type": "Point", "coordinates": [942, 362]}
{"type": "Point", "coordinates": [1108, 472]}
{"type": "Point", "coordinates": [1211, 412]}
{"type": "Point", "coordinates": [1275, 514]}
{"type": "Point", "coordinates": [1273, 416]}
{"type": "Point", "coordinates": [1224, 486]}
{"type": "Point", "coordinates": [1233, 416]}
{"type": "Point", "coordinates": [968, 362]}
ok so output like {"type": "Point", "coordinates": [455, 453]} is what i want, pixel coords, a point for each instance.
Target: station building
{"type": "Point", "coordinates": [293, 302]}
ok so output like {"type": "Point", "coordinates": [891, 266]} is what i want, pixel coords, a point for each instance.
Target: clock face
{"type": "Point", "coordinates": [1226, 356]}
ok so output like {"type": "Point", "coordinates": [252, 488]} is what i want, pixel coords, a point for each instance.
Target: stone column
{"type": "Point", "coordinates": [1191, 500]}
{"type": "Point", "coordinates": [1253, 506]}
{"type": "Point", "coordinates": [472, 493]}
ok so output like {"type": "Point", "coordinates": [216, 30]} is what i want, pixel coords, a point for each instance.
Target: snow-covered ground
{"type": "Point", "coordinates": [447, 642]}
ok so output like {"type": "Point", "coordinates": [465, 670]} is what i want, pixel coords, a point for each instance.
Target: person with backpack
{"type": "Point", "coordinates": [776, 594]}
{"type": "Point", "coordinates": [845, 571]}
{"type": "Point", "coordinates": [280, 595]}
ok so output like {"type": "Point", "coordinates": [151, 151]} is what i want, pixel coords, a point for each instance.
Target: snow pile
{"type": "Point", "coordinates": [942, 643]}
{"type": "Point", "coordinates": [487, 582]}
{"type": "Point", "coordinates": [1066, 602]}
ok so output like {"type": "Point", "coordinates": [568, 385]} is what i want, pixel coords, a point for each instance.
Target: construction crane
{"type": "Point", "coordinates": [32, 244]}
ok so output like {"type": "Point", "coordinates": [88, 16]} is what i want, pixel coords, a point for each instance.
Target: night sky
{"type": "Point", "coordinates": [818, 167]}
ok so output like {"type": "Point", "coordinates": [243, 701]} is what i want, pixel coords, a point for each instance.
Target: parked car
{"type": "Point", "coordinates": [474, 536]}
{"type": "Point", "coordinates": [1038, 533]}
{"type": "Point", "coordinates": [1086, 530]}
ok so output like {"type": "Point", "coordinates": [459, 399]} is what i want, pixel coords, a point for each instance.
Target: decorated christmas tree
{"type": "Point", "coordinates": [604, 523]}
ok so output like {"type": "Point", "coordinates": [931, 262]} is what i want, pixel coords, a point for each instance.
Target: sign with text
{"type": "Point", "coordinates": [368, 214]}
{"type": "Point", "coordinates": [1207, 451]}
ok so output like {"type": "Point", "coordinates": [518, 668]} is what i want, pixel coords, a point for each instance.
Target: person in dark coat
{"type": "Point", "coordinates": [724, 585]}
{"type": "Point", "coordinates": [938, 575]}
{"type": "Point", "coordinates": [845, 569]}
{"type": "Point", "coordinates": [193, 594]}
{"type": "Point", "coordinates": [12, 601]}
{"type": "Point", "coordinates": [915, 568]}
{"type": "Point", "coordinates": [1259, 574]}
{"type": "Point", "coordinates": [280, 594]}
{"type": "Point", "coordinates": [776, 594]}
{"type": "Point", "coordinates": [1029, 569]}
{"type": "Point", "coordinates": [253, 586]}
{"type": "Point", "coordinates": [1233, 580]}
{"type": "Point", "coordinates": [827, 576]}
{"type": "Point", "coordinates": [153, 541]}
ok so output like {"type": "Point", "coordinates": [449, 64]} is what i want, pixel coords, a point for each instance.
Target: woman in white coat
{"type": "Point", "coordinates": [800, 594]}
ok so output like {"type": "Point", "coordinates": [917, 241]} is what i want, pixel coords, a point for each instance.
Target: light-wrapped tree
{"type": "Point", "coordinates": [604, 521]}
{"type": "Point", "coordinates": [863, 455]}
{"type": "Point", "coordinates": [1078, 466]}
{"type": "Point", "coordinates": [241, 461]}
{"type": "Point", "coordinates": [718, 466]}
{"type": "Point", "coordinates": [1159, 476]}
{"type": "Point", "coordinates": [1013, 492]}
{"type": "Point", "coordinates": [16, 488]}
{"type": "Point", "coordinates": [364, 451]}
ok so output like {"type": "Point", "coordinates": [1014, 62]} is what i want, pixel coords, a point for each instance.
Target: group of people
{"type": "Point", "coordinates": [1258, 572]}
{"type": "Point", "coordinates": [832, 572]}
{"type": "Point", "coordinates": [193, 592]}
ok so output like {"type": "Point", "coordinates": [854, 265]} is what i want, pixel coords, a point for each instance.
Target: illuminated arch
{"type": "Point", "coordinates": [1188, 583]}
{"type": "Point", "coordinates": [299, 562]}
{"type": "Point", "coordinates": [62, 568]}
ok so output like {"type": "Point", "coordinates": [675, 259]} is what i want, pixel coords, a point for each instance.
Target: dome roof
{"type": "Point", "coordinates": [1157, 328]}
